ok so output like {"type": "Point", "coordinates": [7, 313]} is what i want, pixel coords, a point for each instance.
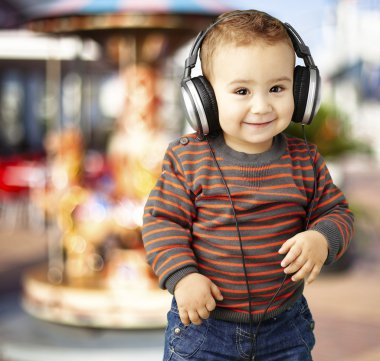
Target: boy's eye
{"type": "Point", "coordinates": [276, 89]}
{"type": "Point", "coordinates": [242, 91]}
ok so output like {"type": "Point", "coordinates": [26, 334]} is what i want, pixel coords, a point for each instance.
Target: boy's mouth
{"type": "Point", "coordinates": [260, 121]}
{"type": "Point", "coordinates": [257, 127]}
{"type": "Point", "coordinates": [258, 124]}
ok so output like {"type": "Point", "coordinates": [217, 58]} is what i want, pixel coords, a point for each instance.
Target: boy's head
{"type": "Point", "coordinates": [241, 28]}
{"type": "Point", "coordinates": [250, 88]}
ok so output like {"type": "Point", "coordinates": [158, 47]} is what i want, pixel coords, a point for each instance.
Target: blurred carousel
{"type": "Point", "coordinates": [96, 274]}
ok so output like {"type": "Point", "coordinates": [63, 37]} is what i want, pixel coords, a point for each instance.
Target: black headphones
{"type": "Point", "coordinates": [199, 98]}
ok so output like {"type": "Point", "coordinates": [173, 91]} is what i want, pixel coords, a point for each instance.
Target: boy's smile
{"type": "Point", "coordinates": [253, 85]}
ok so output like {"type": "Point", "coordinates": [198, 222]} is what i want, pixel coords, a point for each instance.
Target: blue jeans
{"type": "Point", "coordinates": [287, 337]}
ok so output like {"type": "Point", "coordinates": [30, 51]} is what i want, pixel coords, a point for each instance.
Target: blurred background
{"type": "Point", "coordinates": [89, 99]}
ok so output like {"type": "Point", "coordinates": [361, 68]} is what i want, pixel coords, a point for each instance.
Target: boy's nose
{"type": "Point", "coordinates": [260, 104]}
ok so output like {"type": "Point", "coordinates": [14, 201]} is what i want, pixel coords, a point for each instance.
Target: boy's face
{"type": "Point", "coordinates": [253, 86]}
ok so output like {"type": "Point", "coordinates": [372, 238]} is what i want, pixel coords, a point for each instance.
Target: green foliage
{"type": "Point", "coordinates": [330, 131]}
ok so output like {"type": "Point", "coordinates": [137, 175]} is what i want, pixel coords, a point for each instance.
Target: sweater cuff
{"type": "Point", "coordinates": [172, 280]}
{"type": "Point", "coordinates": [330, 232]}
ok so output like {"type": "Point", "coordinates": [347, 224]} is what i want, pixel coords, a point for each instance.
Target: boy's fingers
{"type": "Point", "coordinates": [292, 255]}
{"type": "Point", "coordinates": [286, 246]}
{"type": "Point", "coordinates": [210, 305]}
{"type": "Point", "coordinates": [299, 264]}
{"type": "Point", "coordinates": [313, 274]}
{"type": "Point", "coordinates": [194, 317]}
{"type": "Point", "coordinates": [183, 315]}
{"type": "Point", "coordinates": [303, 273]}
{"type": "Point", "coordinates": [215, 291]}
{"type": "Point", "coordinates": [203, 313]}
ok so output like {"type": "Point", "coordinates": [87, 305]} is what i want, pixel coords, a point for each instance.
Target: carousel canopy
{"type": "Point", "coordinates": [91, 18]}
{"type": "Point", "coordinates": [14, 13]}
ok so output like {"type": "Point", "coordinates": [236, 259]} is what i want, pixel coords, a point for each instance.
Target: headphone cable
{"type": "Point", "coordinates": [252, 336]}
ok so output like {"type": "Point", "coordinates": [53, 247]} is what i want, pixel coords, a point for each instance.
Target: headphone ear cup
{"type": "Point", "coordinates": [301, 86]}
{"type": "Point", "coordinates": [208, 99]}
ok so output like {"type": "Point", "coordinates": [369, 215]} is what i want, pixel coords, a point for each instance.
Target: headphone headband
{"type": "Point", "coordinates": [300, 48]}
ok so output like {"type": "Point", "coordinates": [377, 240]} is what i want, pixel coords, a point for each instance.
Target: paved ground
{"type": "Point", "coordinates": [345, 304]}
{"type": "Point", "coordinates": [347, 316]}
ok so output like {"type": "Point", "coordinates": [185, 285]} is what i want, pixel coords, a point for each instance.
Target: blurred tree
{"type": "Point", "coordinates": [330, 130]}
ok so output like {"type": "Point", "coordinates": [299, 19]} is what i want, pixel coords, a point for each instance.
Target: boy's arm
{"type": "Point", "coordinates": [166, 231]}
{"type": "Point", "coordinates": [331, 215]}
{"type": "Point", "coordinates": [328, 235]}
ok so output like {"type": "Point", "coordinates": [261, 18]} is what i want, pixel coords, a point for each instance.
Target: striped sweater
{"type": "Point", "coordinates": [189, 224]}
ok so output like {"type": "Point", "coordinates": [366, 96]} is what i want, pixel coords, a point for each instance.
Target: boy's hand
{"type": "Point", "coordinates": [305, 255]}
{"type": "Point", "coordinates": [195, 295]}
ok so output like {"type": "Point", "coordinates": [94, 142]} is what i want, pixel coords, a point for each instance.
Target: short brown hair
{"type": "Point", "coordinates": [241, 27]}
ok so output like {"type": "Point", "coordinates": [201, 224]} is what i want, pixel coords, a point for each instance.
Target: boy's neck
{"type": "Point", "coordinates": [248, 148]}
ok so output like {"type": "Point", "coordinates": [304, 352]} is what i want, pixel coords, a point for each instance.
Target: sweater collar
{"type": "Point", "coordinates": [275, 152]}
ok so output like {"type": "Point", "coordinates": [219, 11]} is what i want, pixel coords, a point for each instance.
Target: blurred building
{"type": "Point", "coordinates": [351, 65]}
{"type": "Point", "coordinates": [48, 83]}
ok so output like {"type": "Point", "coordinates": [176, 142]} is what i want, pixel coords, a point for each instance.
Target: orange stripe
{"type": "Point", "coordinates": [227, 255]}
{"type": "Point", "coordinates": [165, 202]}
{"type": "Point", "coordinates": [178, 255]}
{"type": "Point", "coordinates": [175, 195]}
{"type": "Point", "coordinates": [177, 265]}
{"type": "Point", "coordinates": [250, 238]}
{"type": "Point", "coordinates": [244, 291]}
{"type": "Point", "coordinates": [320, 205]}
{"type": "Point", "coordinates": [249, 228]}
{"type": "Point", "coordinates": [167, 181]}
{"type": "Point", "coordinates": [253, 274]}
{"type": "Point", "coordinates": [164, 211]}
{"type": "Point", "coordinates": [163, 239]}
{"type": "Point", "coordinates": [174, 160]}
{"type": "Point", "coordinates": [233, 274]}
{"type": "Point", "coordinates": [193, 162]}
{"type": "Point", "coordinates": [160, 230]}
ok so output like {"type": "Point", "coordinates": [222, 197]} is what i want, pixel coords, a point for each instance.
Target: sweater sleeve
{"type": "Point", "coordinates": [168, 216]}
{"type": "Point", "coordinates": [331, 215]}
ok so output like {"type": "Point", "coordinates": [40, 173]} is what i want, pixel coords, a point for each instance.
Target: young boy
{"type": "Point", "coordinates": [243, 216]}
